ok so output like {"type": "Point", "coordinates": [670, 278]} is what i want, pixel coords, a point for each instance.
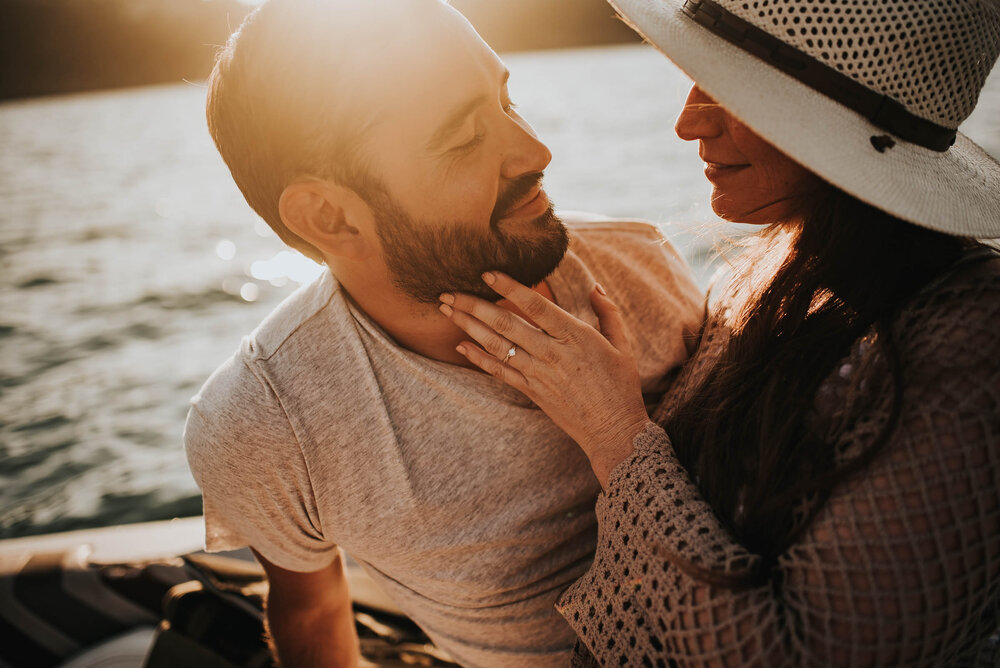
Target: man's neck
{"type": "Point", "coordinates": [420, 328]}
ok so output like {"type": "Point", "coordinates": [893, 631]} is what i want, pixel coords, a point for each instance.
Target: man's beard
{"type": "Point", "coordinates": [427, 259]}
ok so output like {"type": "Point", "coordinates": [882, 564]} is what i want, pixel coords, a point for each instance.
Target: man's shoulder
{"type": "Point", "coordinates": [249, 411]}
{"type": "Point", "coordinates": [623, 246]}
{"type": "Point", "coordinates": [647, 278]}
{"type": "Point", "coordinates": [248, 387]}
{"type": "Point", "coordinates": [291, 318]}
{"type": "Point", "coordinates": [586, 227]}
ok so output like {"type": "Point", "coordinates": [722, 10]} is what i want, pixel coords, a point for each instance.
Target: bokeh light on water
{"type": "Point", "coordinates": [285, 266]}
{"type": "Point", "coordinates": [132, 266]}
{"type": "Point", "coordinates": [225, 249]}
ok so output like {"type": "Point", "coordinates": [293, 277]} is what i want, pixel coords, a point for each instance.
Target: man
{"type": "Point", "coordinates": [378, 137]}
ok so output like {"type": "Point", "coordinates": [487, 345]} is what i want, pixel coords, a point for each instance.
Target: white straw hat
{"type": "Point", "coordinates": [868, 94]}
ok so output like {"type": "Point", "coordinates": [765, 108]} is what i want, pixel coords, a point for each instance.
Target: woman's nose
{"type": "Point", "coordinates": [699, 119]}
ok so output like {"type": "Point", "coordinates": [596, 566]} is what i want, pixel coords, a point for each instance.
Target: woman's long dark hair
{"type": "Point", "coordinates": [846, 268]}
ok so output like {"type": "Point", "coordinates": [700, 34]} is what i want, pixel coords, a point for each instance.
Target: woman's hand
{"type": "Point", "coordinates": [585, 380]}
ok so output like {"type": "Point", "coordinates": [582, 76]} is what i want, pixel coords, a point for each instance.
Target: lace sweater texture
{"type": "Point", "coordinates": [901, 566]}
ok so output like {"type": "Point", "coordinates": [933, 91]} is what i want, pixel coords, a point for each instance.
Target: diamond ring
{"type": "Point", "coordinates": [510, 353]}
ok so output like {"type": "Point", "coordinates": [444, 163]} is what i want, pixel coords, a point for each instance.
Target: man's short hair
{"type": "Point", "coordinates": [279, 106]}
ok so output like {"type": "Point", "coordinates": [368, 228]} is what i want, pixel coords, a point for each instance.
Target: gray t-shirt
{"type": "Point", "coordinates": [469, 507]}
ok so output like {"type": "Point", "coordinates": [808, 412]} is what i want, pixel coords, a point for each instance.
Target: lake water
{"type": "Point", "coordinates": [132, 266]}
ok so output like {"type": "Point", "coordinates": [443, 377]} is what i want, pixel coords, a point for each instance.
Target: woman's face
{"type": "Point", "coordinates": [753, 182]}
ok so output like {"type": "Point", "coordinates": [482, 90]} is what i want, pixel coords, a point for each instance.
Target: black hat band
{"type": "Point", "coordinates": [882, 110]}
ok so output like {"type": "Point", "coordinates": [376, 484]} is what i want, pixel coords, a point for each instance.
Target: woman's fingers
{"type": "Point", "coordinates": [491, 341]}
{"type": "Point", "coordinates": [586, 382]}
{"type": "Point", "coordinates": [542, 312]}
{"type": "Point", "coordinates": [491, 365]}
{"type": "Point", "coordinates": [495, 328]}
{"type": "Point", "coordinates": [612, 324]}
{"type": "Point", "coordinates": [490, 325]}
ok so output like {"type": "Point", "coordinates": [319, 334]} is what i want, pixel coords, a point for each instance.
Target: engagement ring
{"type": "Point", "coordinates": [510, 353]}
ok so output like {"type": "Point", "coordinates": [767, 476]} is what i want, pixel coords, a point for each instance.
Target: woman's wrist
{"type": "Point", "coordinates": [613, 450]}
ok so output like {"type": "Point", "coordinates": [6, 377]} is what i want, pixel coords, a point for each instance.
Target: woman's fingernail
{"type": "Point", "coordinates": [490, 278]}
{"type": "Point", "coordinates": [447, 310]}
{"type": "Point", "coordinates": [600, 288]}
{"type": "Point", "coordinates": [461, 349]}
{"type": "Point", "coordinates": [447, 298]}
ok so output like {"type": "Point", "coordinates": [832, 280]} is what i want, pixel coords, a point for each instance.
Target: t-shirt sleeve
{"type": "Point", "coordinates": [246, 459]}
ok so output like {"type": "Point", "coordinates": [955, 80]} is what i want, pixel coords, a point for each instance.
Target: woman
{"type": "Point", "coordinates": [821, 484]}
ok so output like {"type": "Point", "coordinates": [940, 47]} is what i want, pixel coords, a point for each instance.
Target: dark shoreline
{"type": "Point", "coordinates": [49, 47]}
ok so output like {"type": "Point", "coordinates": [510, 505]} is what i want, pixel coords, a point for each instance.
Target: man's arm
{"type": "Point", "coordinates": [309, 617]}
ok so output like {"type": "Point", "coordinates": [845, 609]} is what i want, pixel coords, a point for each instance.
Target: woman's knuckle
{"type": "Point", "coordinates": [496, 345]}
{"type": "Point", "coordinates": [504, 322]}
{"type": "Point", "coordinates": [535, 307]}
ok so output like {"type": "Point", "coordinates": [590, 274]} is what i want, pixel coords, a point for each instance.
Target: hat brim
{"type": "Point", "coordinates": [956, 191]}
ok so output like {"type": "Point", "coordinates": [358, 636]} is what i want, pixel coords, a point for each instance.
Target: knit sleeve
{"type": "Point", "coordinates": [902, 565]}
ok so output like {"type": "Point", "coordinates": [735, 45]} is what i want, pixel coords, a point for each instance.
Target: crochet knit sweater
{"type": "Point", "coordinates": [900, 567]}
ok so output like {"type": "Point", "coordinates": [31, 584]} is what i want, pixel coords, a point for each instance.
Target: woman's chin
{"type": "Point", "coordinates": [751, 213]}
{"type": "Point", "coordinates": [740, 215]}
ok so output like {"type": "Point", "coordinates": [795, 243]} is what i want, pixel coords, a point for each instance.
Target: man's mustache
{"type": "Point", "coordinates": [516, 192]}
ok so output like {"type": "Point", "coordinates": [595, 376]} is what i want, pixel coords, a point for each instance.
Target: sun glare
{"type": "Point", "coordinates": [286, 265]}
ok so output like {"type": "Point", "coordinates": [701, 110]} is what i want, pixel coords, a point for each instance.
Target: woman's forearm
{"type": "Point", "coordinates": [881, 566]}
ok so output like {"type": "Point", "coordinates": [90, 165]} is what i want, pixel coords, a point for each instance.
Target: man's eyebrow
{"type": "Point", "coordinates": [455, 119]}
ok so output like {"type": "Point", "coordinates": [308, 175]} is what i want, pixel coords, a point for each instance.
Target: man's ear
{"type": "Point", "coordinates": [332, 218]}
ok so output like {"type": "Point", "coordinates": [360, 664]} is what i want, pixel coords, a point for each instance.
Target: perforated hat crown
{"type": "Point", "coordinates": [932, 56]}
{"type": "Point", "coordinates": [868, 94]}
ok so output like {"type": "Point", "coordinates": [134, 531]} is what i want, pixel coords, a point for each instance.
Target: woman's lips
{"type": "Point", "coordinates": [531, 208]}
{"type": "Point", "coordinates": [715, 170]}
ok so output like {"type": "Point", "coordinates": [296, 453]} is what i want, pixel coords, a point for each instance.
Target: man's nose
{"type": "Point", "coordinates": [699, 119]}
{"type": "Point", "coordinates": [526, 154]}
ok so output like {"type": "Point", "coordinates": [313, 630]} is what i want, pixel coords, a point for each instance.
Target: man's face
{"type": "Point", "coordinates": [460, 170]}
{"type": "Point", "coordinates": [427, 259]}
